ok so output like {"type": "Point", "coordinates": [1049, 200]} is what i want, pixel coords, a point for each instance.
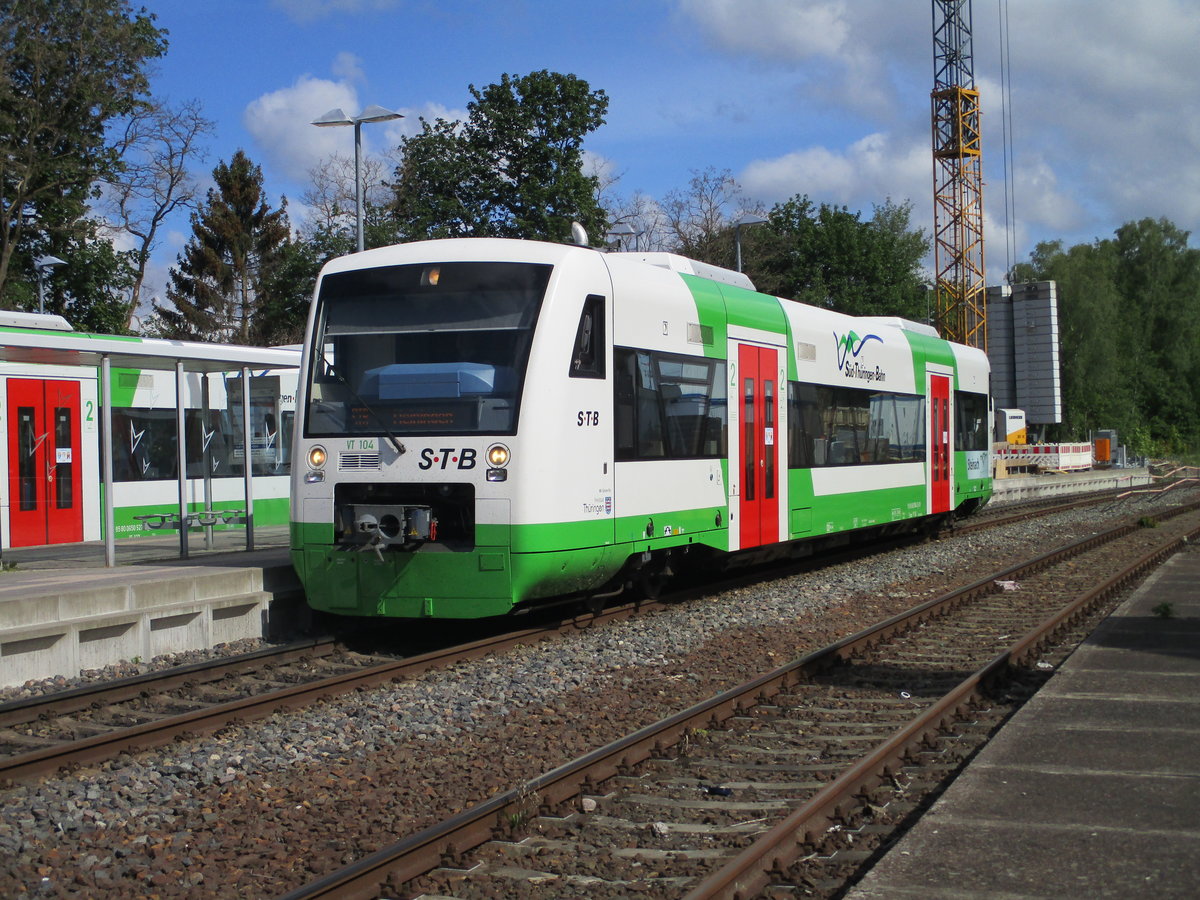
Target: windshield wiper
{"type": "Point", "coordinates": [392, 439]}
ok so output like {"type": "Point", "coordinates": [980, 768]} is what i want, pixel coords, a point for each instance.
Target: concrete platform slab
{"type": "Point", "coordinates": [62, 611]}
{"type": "Point", "coordinates": [1130, 713]}
{"type": "Point", "coordinates": [1038, 863]}
{"type": "Point", "coordinates": [1145, 682]}
{"type": "Point", "coordinates": [1074, 793]}
{"type": "Point", "coordinates": [1093, 788]}
{"type": "Point", "coordinates": [1162, 659]}
{"type": "Point", "coordinates": [1068, 749]}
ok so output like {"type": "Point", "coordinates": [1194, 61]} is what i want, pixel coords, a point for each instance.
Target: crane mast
{"type": "Point", "coordinates": [959, 304]}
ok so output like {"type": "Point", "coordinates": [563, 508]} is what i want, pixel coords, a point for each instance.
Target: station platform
{"type": "Point", "coordinates": [1093, 788]}
{"type": "Point", "coordinates": [62, 611]}
{"type": "Point", "coordinates": [1018, 488]}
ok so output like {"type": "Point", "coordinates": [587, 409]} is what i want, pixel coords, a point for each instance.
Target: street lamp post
{"type": "Point", "coordinates": [371, 114]}
{"type": "Point", "coordinates": [622, 231]}
{"type": "Point", "coordinates": [44, 265]}
{"type": "Point", "coordinates": [748, 219]}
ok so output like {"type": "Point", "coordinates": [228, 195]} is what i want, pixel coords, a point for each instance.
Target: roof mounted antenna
{"type": "Point", "coordinates": [578, 235]}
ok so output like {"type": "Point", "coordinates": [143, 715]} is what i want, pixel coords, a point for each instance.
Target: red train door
{"type": "Point", "coordinates": [44, 475]}
{"type": "Point", "coordinates": [939, 443]}
{"type": "Point", "coordinates": [759, 507]}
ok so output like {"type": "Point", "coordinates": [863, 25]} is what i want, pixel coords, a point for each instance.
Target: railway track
{"type": "Point", "coordinates": [41, 735]}
{"type": "Point", "coordinates": [993, 517]}
{"type": "Point", "coordinates": [789, 779]}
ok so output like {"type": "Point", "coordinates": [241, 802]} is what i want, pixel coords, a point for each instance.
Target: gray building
{"type": "Point", "coordinates": [1023, 350]}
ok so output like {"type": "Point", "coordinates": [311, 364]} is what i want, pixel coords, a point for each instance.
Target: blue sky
{"type": "Point", "coordinates": [828, 98]}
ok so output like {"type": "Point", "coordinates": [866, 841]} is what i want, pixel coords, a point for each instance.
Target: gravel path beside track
{"type": "Point", "coordinates": [252, 811]}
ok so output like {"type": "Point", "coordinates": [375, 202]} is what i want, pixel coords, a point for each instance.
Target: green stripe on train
{"type": "Point", "coordinates": [480, 582]}
{"type": "Point", "coordinates": [810, 515]}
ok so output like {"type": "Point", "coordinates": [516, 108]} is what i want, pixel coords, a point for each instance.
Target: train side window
{"type": "Point", "coordinates": [667, 406]}
{"type": "Point", "coordinates": [839, 426]}
{"type": "Point", "coordinates": [971, 413]}
{"type": "Point", "coordinates": [63, 495]}
{"type": "Point", "coordinates": [587, 359]}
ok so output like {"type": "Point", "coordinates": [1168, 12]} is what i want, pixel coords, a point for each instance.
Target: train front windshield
{"type": "Point", "coordinates": [425, 348]}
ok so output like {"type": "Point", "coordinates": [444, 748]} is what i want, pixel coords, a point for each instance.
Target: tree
{"type": "Point", "coordinates": [331, 198]}
{"type": "Point", "coordinates": [67, 69]}
{"type": "Point", "coordinates": [219, 288]}
{"type": "Point", "coordinates": [827, 256]}
{"type": "Point", "coordinates": [1158, 276]}
{"type": "Point", "coordinates": [1096, 360]}
{"type": "Point", "coordinates": [1129, 321]}
{"type": "Point", "coordinates": [92, 290]}
{"type": "Point", "coordinates": [156, 146]}
{"type": "Point", "coordinates": [513, 169]}
{"type": "Point", "coordinates": [287, 292]}
{"type": "Point", "coordinates": [696, 218]}
{"type": "Point", "coordinates": [645, 216]}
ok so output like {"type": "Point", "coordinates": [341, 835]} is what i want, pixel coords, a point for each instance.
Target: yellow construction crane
{"type": "Point", "coordinates": [959, 308]}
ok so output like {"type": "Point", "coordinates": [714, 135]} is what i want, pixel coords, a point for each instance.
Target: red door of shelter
{"type": "Point", "coordinates": [939, 443]}
{"type": "Point", "coordinates": [759, 507]}
{"type": "Point", "coordinates": [44, 473]}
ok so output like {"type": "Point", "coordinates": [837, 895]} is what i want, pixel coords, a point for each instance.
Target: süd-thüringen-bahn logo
{"type": "Point", "coordinates": [849, 346]}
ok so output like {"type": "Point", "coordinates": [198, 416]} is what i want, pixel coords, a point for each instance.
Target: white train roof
{"type": "Point", "coordinates": [677, 263]}
{"type": "Point", "coordinates": [34, 338]}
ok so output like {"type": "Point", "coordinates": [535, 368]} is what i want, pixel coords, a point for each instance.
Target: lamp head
{"type": "Point", "coordinates": [333, 117]}
{"type": "Point", "coordinates": [375, 113]}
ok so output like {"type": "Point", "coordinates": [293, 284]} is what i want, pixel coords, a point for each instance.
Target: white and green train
{"type": "Point", "coordinates": [52, 489]}
{"type": "Point", "coordinates": [484, 424]}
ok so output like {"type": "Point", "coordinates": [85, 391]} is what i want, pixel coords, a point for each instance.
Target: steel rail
{"type": "Point", "coordinates": [162, 731]}
{"type": "Point", "coordinates": [27, 709]}
{"type": "Point", "coordinates": [1034, 510]}
{"type": "Point", "coordinates": [752, 870]}
{"type": "Point", "coordinates": [447, 842]}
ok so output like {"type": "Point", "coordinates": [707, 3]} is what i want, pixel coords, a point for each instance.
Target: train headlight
{"type": "Point", "coordinates": [497, 456]}
{"type": "Point", "coordinates": [316, 456]}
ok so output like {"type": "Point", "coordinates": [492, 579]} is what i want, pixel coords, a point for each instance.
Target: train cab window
{"type": "Point", "coordinates": [587, 359]}
{"type": "Point", "coordinates": [424, 348]}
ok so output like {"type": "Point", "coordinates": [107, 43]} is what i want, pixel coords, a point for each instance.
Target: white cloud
{"type": "Point", "coordinates": [601, 166]}
{"type": "Point", "coordinates": [311, 10]}
{"type": "Point", "coordinates": [1039, 200]}
{"type": "Point", "coordinates": [844, 52]}
{"type": "Point", "coordinates": [1105, 122]}
{"type": "Point", "coordinates": [348, 67]}
{"type": "Point", "coordinates": [770, 28]}
{"type": "Point", "coordinates": [1105, 111]}
{"type": "Point", "coordinates": [868, 171]}
{"type": "Point", "coordinates": [280, 123]}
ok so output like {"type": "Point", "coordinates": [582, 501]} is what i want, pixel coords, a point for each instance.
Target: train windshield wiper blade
{"type": "Point", "coordinates": [395, 441]}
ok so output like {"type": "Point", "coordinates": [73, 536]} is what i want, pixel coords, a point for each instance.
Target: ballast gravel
{"type": "Point", "coordinates": [257, 810]}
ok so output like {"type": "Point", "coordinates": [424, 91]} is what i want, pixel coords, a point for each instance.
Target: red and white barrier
{"type": "Point", "coordinates": [1063, 457]}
